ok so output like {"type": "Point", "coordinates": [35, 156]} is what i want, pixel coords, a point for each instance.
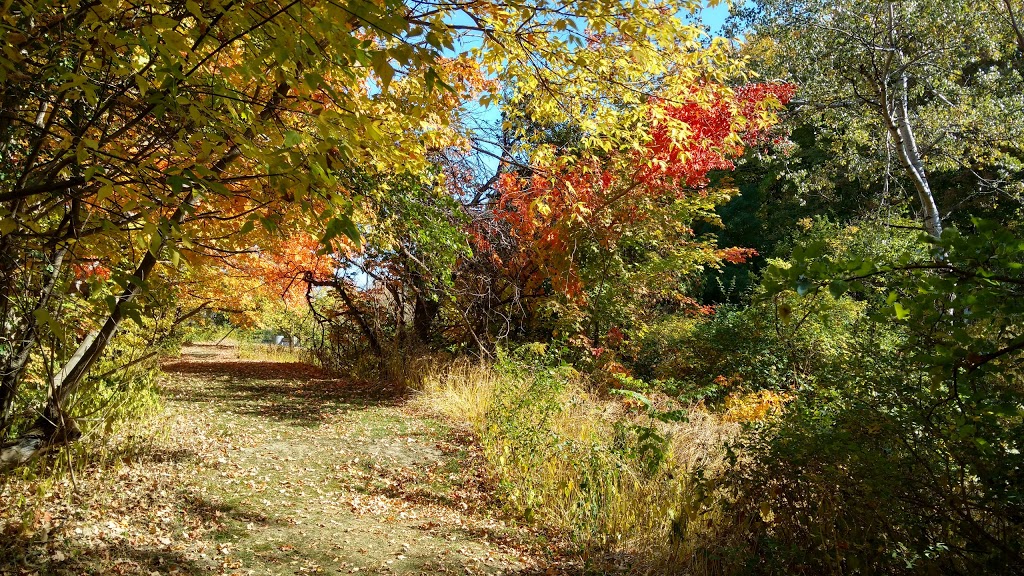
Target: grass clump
{"type": "Point", "coordinates": [616, 481]}
{"type": "Point", "coordinates": [270, 352]}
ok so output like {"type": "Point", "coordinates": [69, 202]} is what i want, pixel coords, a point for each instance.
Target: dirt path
{"type": "Point", "coordinates": [274, 468]}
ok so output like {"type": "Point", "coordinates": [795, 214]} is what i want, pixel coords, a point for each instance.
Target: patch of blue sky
{"type": "Point", "coordinates": [486, 119]}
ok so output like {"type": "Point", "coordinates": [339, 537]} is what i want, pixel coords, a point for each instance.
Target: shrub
{"type": "Point", "coordinates": [777, 344]}
{"type": "Point", "coordinates": [903, 455]}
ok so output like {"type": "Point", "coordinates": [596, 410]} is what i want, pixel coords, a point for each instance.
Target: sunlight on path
{"type": "Point", "coordinates": [261, 467]}
{"type": "Point", "coordinates": [319, 475]}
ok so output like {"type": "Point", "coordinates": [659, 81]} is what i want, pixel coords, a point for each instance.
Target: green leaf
{"type": "Point", "coordinates": [634, 396]}
{"type": "Point", "coordinates": [193, 7]}
{"type": "Point", "coordinates": [383, 68]}
{"type": "Point", "coordinates": [164, 22]}
{"type": "Point", "coordinates": [43, 316]}
{"type": "Point", "coordinates": [339, 225]}
{"type": "Point", "coordinates": [7, 226]}
{"type": "Point", "coordinates": [177, 182]}
{"type": "Point", "coordinates": [104, 192]}
{"type": "Point", "coordinates": [143, 85]}
{"type": "Point", "coordinates": [156, 242]}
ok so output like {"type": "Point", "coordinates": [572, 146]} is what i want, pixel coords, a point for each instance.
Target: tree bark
{"type": "Point", "coordinates": [424, 313]}
{"type": "Point", "coordinates": [910, 157]}
{"type": "Point", "coordinates": [18, 360]}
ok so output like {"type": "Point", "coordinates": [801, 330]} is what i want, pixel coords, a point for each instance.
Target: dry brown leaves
{"type": "Point", "coordinates": [268, 468]}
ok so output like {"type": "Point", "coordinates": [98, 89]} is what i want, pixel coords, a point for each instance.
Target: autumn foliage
{"type": "Point", "coordinates": [602, 198]}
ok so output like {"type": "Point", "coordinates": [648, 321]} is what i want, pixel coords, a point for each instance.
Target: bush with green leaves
{"type": "Point", "coordinates": [908, 459]}
{"type": "Point", "coordinates": [695, 357]}
{"type": "Point", "coordinates": [123, 386]}
{"type": "Point", "coordinates": [778, 341]}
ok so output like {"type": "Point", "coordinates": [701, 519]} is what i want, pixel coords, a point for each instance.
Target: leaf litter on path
{"type": "Point", "coordinates": [270, 468]}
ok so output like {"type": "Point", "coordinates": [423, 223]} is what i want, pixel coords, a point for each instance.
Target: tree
{"type": "Point", "coordinates": [611, 234]}
{"type": "Point", "coordinates": [131, 125]}
{"type": "Point", "coordinates": [906, 93]}
{"type": "Point", "coordinates": [912, 99]}
{"type": "Point", "coordinates": [135, 134]}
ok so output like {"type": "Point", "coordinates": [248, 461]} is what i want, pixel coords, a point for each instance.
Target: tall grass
{"type": "Point", "coordinates": [600, 471]}
{"type": "Point", "coordinates": [271, 352]}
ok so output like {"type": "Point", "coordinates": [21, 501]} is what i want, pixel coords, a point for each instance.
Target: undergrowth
{"type": "Point", "coordinates": [620, 484]}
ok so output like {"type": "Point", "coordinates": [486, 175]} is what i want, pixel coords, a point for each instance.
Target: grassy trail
{"type": "Point", "coordinates": [259, 467]}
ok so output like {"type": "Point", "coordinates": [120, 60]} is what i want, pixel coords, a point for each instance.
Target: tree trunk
{"type": "Point", "coordinates": [425, 311]}
{"type": "Point", "coordinates": [910, 157]}
{"type": "Point", "coordinates": [15, 365]}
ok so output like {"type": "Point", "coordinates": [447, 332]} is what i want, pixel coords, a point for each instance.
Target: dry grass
{"type": "Point", "coordinates": [463, 391]}
{"type": "Point", "coordinates": [621, 486]}
{"type": "Point", "coordinates": [270, 352]}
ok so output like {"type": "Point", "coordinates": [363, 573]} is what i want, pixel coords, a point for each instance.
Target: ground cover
{"type": "Point", "coordinates": [266, 467]}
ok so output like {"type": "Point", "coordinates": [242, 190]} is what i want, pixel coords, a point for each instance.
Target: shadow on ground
{"type": "Point", "coordinates": [247, 369]}
{"type": "Point", "coordinates": [285, 391]}
{"type": "Point", "coordinates": [72, 553]}
{"type": "Point", "coordinates": [117, 559]}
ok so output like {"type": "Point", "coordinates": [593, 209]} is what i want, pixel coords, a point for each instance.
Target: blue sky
{"type": "Point", "coordinates": [715, 17]}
